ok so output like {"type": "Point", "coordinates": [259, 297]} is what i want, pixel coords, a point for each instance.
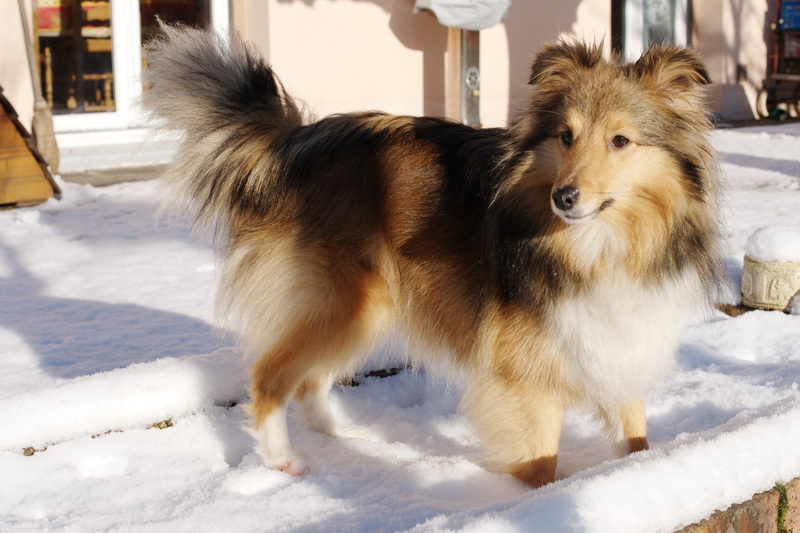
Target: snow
{"type": "Point", "coordinates": [780, 244]}
{"type": "Point", "coordinates": [105, 330]}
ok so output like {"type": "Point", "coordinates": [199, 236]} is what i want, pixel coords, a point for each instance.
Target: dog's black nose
{"type": "Point", "coordinates": [565, 198]}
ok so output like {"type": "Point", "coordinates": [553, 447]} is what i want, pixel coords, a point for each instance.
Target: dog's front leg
{"type": "Point", "coordinates": [540, 435]}
{"type": "Point", "coordinates": [521, 424]}
{"type": "Point", "coordinates": [627, 425]}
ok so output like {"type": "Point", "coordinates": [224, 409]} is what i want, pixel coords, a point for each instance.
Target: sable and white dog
{"type": "Point", "coordinates": [552, 264]}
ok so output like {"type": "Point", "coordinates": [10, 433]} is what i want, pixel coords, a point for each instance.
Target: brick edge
{"type": "Point", "coordinates": [757, 515]}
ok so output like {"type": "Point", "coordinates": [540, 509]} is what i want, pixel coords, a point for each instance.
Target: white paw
{"type": "Point", "coordinates": [294, 467]}
{"type": "Point", "coordinates": [287, 461]}
{"type": "Point", "coordinates": [282, 458]}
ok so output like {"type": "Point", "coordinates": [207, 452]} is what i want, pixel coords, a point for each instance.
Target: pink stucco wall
{"type": "Point", "coordinates": [733, 36]}
{"type": "Point", "coordinates": [343, 55]}
{"type": "Point", "coordinates": [346, 55]}
{"type": "Point", "coordinates": [15, 74]}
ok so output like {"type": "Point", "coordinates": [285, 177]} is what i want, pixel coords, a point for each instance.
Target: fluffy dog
{"type": "Point", "coordinates": [551, 264]}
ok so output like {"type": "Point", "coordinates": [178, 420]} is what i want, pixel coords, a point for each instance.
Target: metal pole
{"type": "Point", "coordinates": [463, 79]}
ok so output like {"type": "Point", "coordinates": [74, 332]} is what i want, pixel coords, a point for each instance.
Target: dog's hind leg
{"type": "Point", "coordinates": [274, 447]}
{"type": "Point", "coordinates": [273, 380]}
{"type": "Point", "coordinates": [339, 326]}
{"type": "Point", "coordinates": [313, 395]}
{"type": "Point", "coordinates": [627, 425]}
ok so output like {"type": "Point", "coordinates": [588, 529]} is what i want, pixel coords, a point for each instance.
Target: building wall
{"type": "Point", "coordinates": [733, 37]}
{"type": "Point", "coordinates": [15, 73]}
{"type": "Point", "coordinates": [338, 56]}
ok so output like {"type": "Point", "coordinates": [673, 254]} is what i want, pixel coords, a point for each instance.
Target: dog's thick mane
{"type": "Point", "coordinates": [532, 255]}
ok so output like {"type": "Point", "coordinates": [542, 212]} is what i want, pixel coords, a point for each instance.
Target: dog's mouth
{"type": "Point", "coordinates": [576, 215]}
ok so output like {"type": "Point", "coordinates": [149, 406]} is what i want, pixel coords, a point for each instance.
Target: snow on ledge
{"type": "Point", "coordinates": [780, 244]}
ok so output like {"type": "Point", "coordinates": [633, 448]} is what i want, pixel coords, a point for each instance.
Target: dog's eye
{"type": "Point", "coordinates": [619, 141]}
{"type": "Point", "coordinates": [566, 138]}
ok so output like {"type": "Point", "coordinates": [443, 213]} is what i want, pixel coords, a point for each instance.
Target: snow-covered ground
{"type": "Point", "coordinates": [105, 314]}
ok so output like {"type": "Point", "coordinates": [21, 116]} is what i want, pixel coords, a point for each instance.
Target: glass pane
{"type": "Point", "coordinates": [75, 44]}
{"type": "Point", "coordinates": [189, 12]}
{"type": "Point", "coordinates": [659, 17]}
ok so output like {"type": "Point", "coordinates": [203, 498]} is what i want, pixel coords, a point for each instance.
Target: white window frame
{"type": "Point", "coordinates": [634, 26]}
{"type": "Point", "coordinates": [127, 64]}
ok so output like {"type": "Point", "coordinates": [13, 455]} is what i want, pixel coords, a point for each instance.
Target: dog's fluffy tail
{"type": "Point", "coordinates": [233, 110]}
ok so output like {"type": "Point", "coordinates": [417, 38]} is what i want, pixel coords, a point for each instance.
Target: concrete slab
{"type": "Point", "coordinates": [102, 178]}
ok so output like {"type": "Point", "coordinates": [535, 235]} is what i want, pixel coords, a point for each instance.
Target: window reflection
{"type": "Point", "coordinates": [75, 43]}
{"type": "Point", "coordinates": [659, 17]}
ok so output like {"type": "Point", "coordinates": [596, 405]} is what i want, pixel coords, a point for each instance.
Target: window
{"type": "Point", "coordinates": [76, 48]}
{"type": "Point", "coordinates": [636, 24]}
{"type": "Point", "coordinates": [91, 59]}
{"type": "Point", "coordinates": [190, 12]}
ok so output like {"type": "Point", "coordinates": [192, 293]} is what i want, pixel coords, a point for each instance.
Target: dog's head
{"type": "Point", "coordinates": [605, 134]}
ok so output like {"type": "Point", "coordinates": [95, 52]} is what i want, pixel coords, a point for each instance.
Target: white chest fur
{"type": "Point", "coordinates": [616, 339]}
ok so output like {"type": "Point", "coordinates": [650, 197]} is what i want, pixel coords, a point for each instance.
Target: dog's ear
{"type": "Point", "coordinates": [675, 71]}
{"type": "Point", "coordinates": [557, 62]}
{"type": "Point", "coordinates": [672, 66]}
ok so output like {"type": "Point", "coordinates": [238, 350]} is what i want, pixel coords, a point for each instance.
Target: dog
{"type": "Point", "coordinates": [550, 264]}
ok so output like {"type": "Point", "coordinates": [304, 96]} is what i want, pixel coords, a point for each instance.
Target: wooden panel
{"type": "Point", "coordinates": [21, 177]}
{"type": "Point", "coordinates": [24, 190]}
